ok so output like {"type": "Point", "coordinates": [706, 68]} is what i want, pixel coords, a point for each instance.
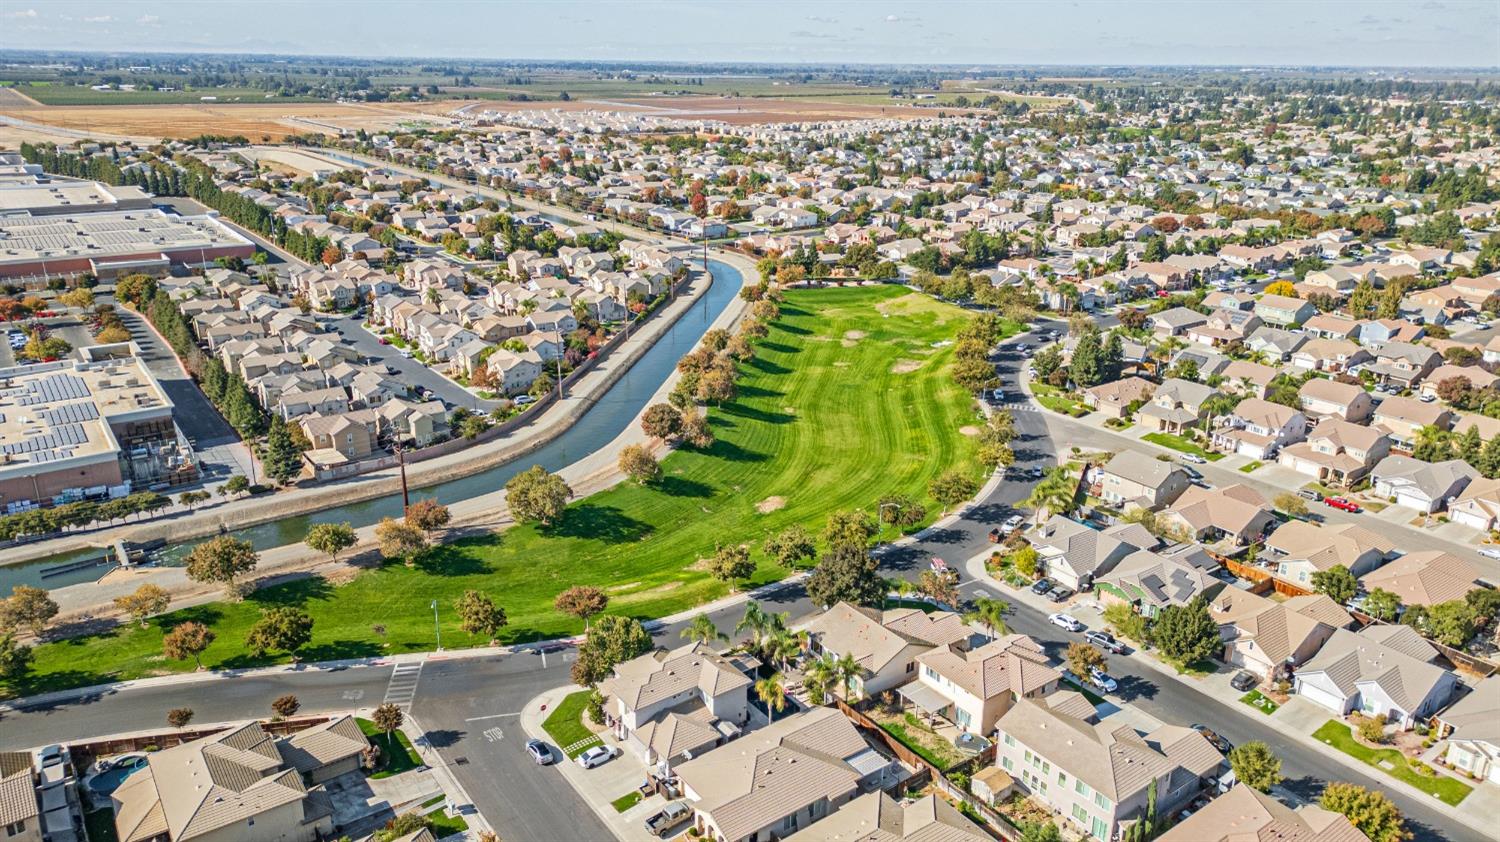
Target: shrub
{"type": "Point", "coordinates": [1372, 729]}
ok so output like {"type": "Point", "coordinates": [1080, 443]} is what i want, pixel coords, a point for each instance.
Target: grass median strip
{"type": "Point", "coordinates": [1260, 702]}
{"type": "Point", "coordinates": [626, 801]}
{"type": "Point", "coordinates": [1392, 762]}
{"type": "Point", "coordinates": [848, 398]}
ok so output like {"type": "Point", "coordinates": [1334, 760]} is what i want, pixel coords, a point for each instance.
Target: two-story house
{"type": "Point", "coordinates": [665, 704]}
{"type": "Point", "coordinates": [1259, 429]}
{"type": "Point", "coordinates": [1403, 419]}
{"type": "Point", "coordinates": [1301, 548]}
{"type": "Point", "coordinates": [885, 644]}
{"type": "Point", "coordinates": [1337, 452]}
{"type": "Point", "coordinates": [1321, 398]}
{"type": "Point", "coordinates": [1283, 310]}
{"type": "Point", "coordinates": [974, 688]}
{"type": "Point", "coordinates": [1176, 405]}
{"type": "Point", "coordinates": [1403, 364]}
{"type": "Point", "coordinates": [1329, 355]}
{"type": "Point", "coordinates": [1132, 477]}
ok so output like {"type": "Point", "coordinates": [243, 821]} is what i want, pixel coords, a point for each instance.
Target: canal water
{"type": "Point", "coordinates": [596, 428]}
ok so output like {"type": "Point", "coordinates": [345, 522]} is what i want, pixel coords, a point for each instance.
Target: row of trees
{"type": "Point", "coordinates": [81, 513]}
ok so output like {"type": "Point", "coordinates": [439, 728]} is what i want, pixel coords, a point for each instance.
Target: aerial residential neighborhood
{"type": "Point", "coordinates": [594, 421]}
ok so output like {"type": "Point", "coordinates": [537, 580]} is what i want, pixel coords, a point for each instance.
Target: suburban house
{"type": "Point", "coordinates": [1474, 744]}
{"type": "Point", "coordinates": [776, 780]}
{"type": "Point", "coordinates": [1270, 638]}
{"type": "Point", "coordinates": [1337, 452]}
{"type": "Point", "coordinates": [1329, 355]}
{"type": "Point", "coordinates": [1283, 310]}
{"type": "Point", "coordinates": [1176, 405]}
{"type": "Point", "coordinates": [1403, 364]}
{"type": "Point", "coordinates": [1302, 549]}
{"type": "Point", "coordinates": [1425, 577]}
{"type": "Point", "coordinates": [974, 688]}
{"type": "Point", "coordinates": [1424, 486]}
{"type": "Point", "coordinates": [1259, 429]}
{"type": "Point", "coordinates": [668, 704]}
{"type": "Point", "coordinates": [1321, 398]}
{"type": "Point", "coordinates": [1275, 343]}
{"type": "Point", "coordinates": [1403, 419]}
{"type": "Point", "coordinates": [1150, 581]}
{"type": "Point", "coordinates": [1476, 377]}
{"type": "Point", "coordinates": [1223, 327]}
{"type": "Point", "coordinates": [1242, 377]}
{"type": "Point", "coordinates": [1098, 775]}
{"type": "Point", "coordinates": [885, 644]}
{"type": "Point", "coordinates": [1074, 554]}
{"type": "Point", "coordinates": [1478, 505]}
{"type": "Point", "coordinates": [1175, 321]}
{"type": "Point", "coordinates": [1244, 814]}
{"type": "Point", "coordinates": [1134, 478]}
{"type": "Point", "coordinates": [234, 785]}
{"type": "Point", "coordinates": [1236, 513]}
{"type": "Point", "coordinates": [1115, 399]}
{"type": "Point", "coordinates": [1354, 672]}
{"type": "Point", "coordinates": [876, 817]}
{"type": "Point", "coordinates": [20, 807]}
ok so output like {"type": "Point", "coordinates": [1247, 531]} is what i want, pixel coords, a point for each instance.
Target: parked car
{"type": "Point", "coordinates": [539, 752]}
{"type": "Point", "coordinates": [1106, 641]}
{"type": "Point", "coordinates": [1102, 680]}
{"type": "Point", "coordinates": [1309, 494]}
{"type": "Point", "coordinates": [1060, 594]}
{"type": "Point", "coordinates": [1035, 473]}
{"type": "Point", "coordinates": [1065, 621]}
{"type": "Point", "coordinates": [1214, 739]}
{"type": "Point", "coordinates": [1010, 525]}
{"type": "Point", "coordinates": [1490, 552]}
{"type": "Point", "coordinates": [942, 569]}
{"type": "Point", "coordinates": [1244, 680]}
{"type": "Point", "coordinates": [525, 399]}
{"type": "Point", "coordinates": [667, 818]}
{"type": "Point", "coordinates": [597, 756]}
{"type": "Point", "coordinates": [1041, 586]}
{"type": "Point", "coordinates": [1194, 458]}
{"type": "Point", "coordinates": [1343, 505]}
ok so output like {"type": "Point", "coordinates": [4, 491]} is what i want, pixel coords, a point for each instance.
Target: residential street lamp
{"type": "Point", "coordinates": [436, 629]}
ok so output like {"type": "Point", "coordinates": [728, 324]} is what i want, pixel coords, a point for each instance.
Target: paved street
{"type": "Point", "coordinates": [406, 370]}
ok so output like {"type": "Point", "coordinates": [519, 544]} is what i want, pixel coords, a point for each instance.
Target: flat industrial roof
{"type": "Point", "coordinates": [107, 234]}
{"type": "Point", "coordinates": [53, 197]}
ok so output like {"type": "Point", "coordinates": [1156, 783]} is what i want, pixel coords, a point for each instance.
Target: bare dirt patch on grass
{"type": "Point", "coordinates": [842, 363]}
{"type": "Point", "coordinates": [770, 504]}
{"type": "Point", "coordinates": [969, 430]}
{"type": "Point", "coordinates": [622, 588]}
{"type": "Point", "coordinates": [905, 366]}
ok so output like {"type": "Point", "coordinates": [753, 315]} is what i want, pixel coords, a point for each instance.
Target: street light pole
{"type": "Point", "coordinates": [405, 493]}
{"type": "Point", "coordinates": [436, 629]}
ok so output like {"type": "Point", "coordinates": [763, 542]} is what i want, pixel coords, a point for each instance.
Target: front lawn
{"type": "Point", "coordinates": [1057, 400]}
{"type": "Point", "coordinates": [840, 406]}
{"type": "Point", "coordinates": [1250, 468]}
{"type": "Point", "coordinates": [626, 801]}
{"type": "Point", "coordinates": [565, 725]}
{"type": "Point", "coordinates": [1182, 445]}
{"type": "Point", "coordinates": [1260, 702]}
{"type": "Point", "coordinates": [443, 825]}
{"type": "Point", "coordinates": [1449, 790]}
{"type": "Point", "coordinates": [396, 753]}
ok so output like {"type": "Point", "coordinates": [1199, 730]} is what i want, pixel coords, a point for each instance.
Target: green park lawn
{"type": "Point", "coordinates": [1448, 790]}
{"type": "Point", "coordinates": [846, 400]}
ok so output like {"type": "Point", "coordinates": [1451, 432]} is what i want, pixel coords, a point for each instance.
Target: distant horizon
{"type": "Point", "coordinates": [1249, 34]}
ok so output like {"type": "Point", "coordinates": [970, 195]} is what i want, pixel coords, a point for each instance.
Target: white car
{"type": "Point", "coordinates": [1490, 552]}
{"type": "Point", "coordinates": [596, 756]}
{"type": "Point", "coordinates": [1065, 621]}
{"type": "Point", "coordinates": [1011, 524]}
{"type": "Point", "coordinates": [1194, 458]}
{"type": "Point", "coordinates": [1101, 679]}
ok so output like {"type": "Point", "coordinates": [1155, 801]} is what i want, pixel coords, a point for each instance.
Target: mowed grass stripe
{"type": "Point", "coordinates": [825, 437]}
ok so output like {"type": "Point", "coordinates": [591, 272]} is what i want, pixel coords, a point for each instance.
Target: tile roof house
{"type": "Point", "coordinates": [1134, 477]}
{"type": "Point", "coordinates": [1283, 310]}
{"type": "Point", "coordinates": [1329, 355]}
{"type": "Point", "coordinates": [884, 643]}
{"type": "Point", "coordinates": [1242, 377]}
{"type": "Point", "coordinates": [1478, 505]}
{"type": "Point", "coordinates": [1474, 744]}
{"type": "Point", "coordinates": [1258, 429]}
{"type": "Point", "coordinates": [1269, 637]}
{"type": "Point", "coordinates": [1113, 399]}
{"type": "Point", "coordinates": [325, 751]}
{"type": "Point", "coordinates": [1477, 377]}
{"type": "Point", "coordinates": [1098, 775]}
{"type": "Point", "coordinates": [1176, 405]}
{"type": "Point", "coordinates": [1074, 554]}
{"type": "Point", "coordinates": [1235, 512]}
{"type": "Point", "coordinates": [1150, 581]}
{"type": "Point", "coordinates": [1403, 419]}
{"type": "Point", "coordinates": [234, 785]}
{"type": "Point", "coordinates": [20, 809]}
{"type": "Point", "coordinates": [1176, 321]}
{"type": "Point", "coordinates": [776, 780]}
{"type": "Point", "coordinates": [1321, 398]}
{"type": "Point", "coordinates": [1403, 364]}
{"type": "Point", "coordinates": [1275, 343]}
{"type": "Point", "coordinates": [1355, 672]}
{"type": "Point", "coordinates": [665, 703]}
{"type": "Point", "coordinates": [1302, 548]}
{"type": "Point", "coordinates": [1425, 577]}
{"type": "Point", "coordinates": [974, 688]}
{"type": "Point", "coordinates": [1244, 814]}
{"type": "Point", "coordinates": [876, 817]}
{"type": "Point", "coordinates": [1337, 452]}
{"type": "Point", "coordinates": [1424, 486]}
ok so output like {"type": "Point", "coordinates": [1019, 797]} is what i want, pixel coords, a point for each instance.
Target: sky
{"type": "Point", "coordinates": [1410, 33]}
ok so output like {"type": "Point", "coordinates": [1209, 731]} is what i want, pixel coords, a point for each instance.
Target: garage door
{"type": "Point", "coordinates": [1314, 693]}
{"type": "Point", "coordinates": [1470, 519]}
{"type": "Point", "coordinates": [1411, 502]}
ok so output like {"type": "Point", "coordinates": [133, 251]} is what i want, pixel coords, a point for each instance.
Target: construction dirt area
{"type": "Point", "coordinates": [24, 119]}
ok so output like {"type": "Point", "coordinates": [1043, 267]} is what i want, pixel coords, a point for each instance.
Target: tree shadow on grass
{"type": "Point", "coordinates": [789, 328]}
{"type": "Point", "coordinates": [764, 365]}
{"type": "Point", "coordinates": [749, 413]}
{"type": "Point", "coordinates": [680, 487]}
{"type": "Point", "coordinates": [340, 650]}
{"type": "Point", "coordinates": [755, 392]}
{"type": "Point", "coordinates": [777, 347]}
{"type": "Point", "coordinates": [603, 523]}
{"type": "Point", "coordinates": [446, 560]}
{"type": "Point", "coordinates": [297, 592]}
{"type": "Point", "coordinates": [734, 453]}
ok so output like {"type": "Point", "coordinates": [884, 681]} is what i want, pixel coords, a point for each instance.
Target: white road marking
{"type": "Point", "coordinates": [403, 685]}
{"type": "Point", "coordinates": [491, 716]}
{"type": "Point", "coordinates": [493, 735]}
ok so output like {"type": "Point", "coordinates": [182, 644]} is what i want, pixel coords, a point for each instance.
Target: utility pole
{"type": "Point", "coordinates": [436, 629]}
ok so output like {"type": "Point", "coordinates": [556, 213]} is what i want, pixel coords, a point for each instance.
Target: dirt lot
{"type": "Point", "coordinates": [735, 110]}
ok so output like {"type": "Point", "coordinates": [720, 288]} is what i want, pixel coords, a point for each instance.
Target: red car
{"type": "Point", "coordinates": [1341, 503]}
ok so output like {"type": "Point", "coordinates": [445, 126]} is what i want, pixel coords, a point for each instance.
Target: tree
{"type": "Point", "coordinates": [951, 488]}
{"type": "Point", "coordinates": [330, 538]}
{"type": "Point", "coordinates": [1081, 657]}
{"type": "Point", "coordinates": [27, 608]}
{"type": "Point", "coordinates": [179, 717]}
{"type": "Point", "coordinates": [221, 560]}
{"type": "Point", "coordinates": [731, 563]}
{"type": "Point", "coordinates": [1056, 494]}
{"type": "Point", "coordinates": [1451, 623]}
{"type": "Point", "coordinates": [1383, 605]}
{"type": "Point", "coordinates": [187, 640]}
{"type": "Point", "coordinates": [1026, 561]}
{"type": "Point", "coordinates": [817, 677]}
{"type": "Point", "coordinates": [582, 601]}
{"type": "Point", "coordinates": [1085, 369]}
{"type": "Point", "coordinates": [771, 691]}
{"type": "Point", "coordinates": [715, 386]}
{"type": "Point", "coordinates": [695, 430]}
{"type": "Point", "coordinates": [846, 528]}
{"type": "Point", "coordinates": [1126, 622]}
{"type": "Point", "coordinates": [1284, 288]}
{"type": "Point", "coordinates": [703, 630]}
{"type": "Point", "coordinates": [791, 546]}
{"type": "Point", "coordinates": [846, 573]}
{"type": "Point", "coordinates": [237, 484]}
{"type": "Point", "coordinates": [428, 515]}
{"type": "Point", "coordinates": [990, 613]}
{"type": "Point", "coordinates": [281, 458]}
{"type": "Point", "coordinates": [478, 614]}
{"type": "Point", "coordinates": [613, 640]}
{"type": "Point", "coordinates": [1047, 360]}
{"type": "Point", "coordinates": [387, 718]}
{"type": "Point", "coordinates": [1255, 766]}
{"type": "Point", "coordinates": [284, 627]}
{"type": "Point", "coordinates": [1370, 811]}
{"type": "Point", "coordinates": [662, 421]}
{"type": "Point", "coordinates": [399, 539]}
{"type": "Point", "coordinates": [1186, 633]}
{"type": "Point", "coordinates": [537, 496]}
{"type": "Point", "coordinates": [1291, 504]}
{"type": "Point", "coordinates": [1337, 582]}
{"type": "Point", "coordinates": [147, 600]}
{"type": "Point", "coordinates": [286, 706]}
{"type": "Point", "coordinates": [15, 658]}
{"type": "Point", "coordinates": [637, 463]}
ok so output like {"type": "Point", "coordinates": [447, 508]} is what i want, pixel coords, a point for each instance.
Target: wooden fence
{"type": "Point", "coordinates": [85, 753]}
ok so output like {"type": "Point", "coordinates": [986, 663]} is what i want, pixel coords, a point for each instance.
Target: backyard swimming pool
{"type": "Point", "coordinates": [110, 779]}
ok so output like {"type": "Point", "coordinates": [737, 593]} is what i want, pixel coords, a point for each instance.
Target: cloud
{"type": "Point", "coordinates": [892, 18]}
{"type": "Point", "coordinates": [148, 19]}
{"type": "Point", "coordinates": [803, 33]}
{"type": "Point", "coordinates": [821, 19]}
{"type": "Point", "coordinates": [22, 13]}
{"type": "Point", "coordinates": [99, 19]}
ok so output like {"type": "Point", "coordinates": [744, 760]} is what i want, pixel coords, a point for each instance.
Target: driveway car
{"type": "Point", "coordinates": [1060, 594]}
{"type": "Point", "coordinates": [1244, 680]}
{"type": "Point", "coordinates": [1065, 621]}
{"type": "Point", "coordinates": [1011, 524]}
{"type": "Point", "coordinates": [596, 756]}
{"type": "Point", "coordinates": [539, 752]}
{"type": "Point", "coordinates": [1105, 640]}
{"type": "Point", "coordinates": [1194, 458]}
{"type": "Point", "coordinates": [1101, 679]}
{"type": "Point", "coordinates": [1041, 586]}
{"type": "Point", "coordinates": [1343, 504]}
{"type": "Point", "coordinates": [667, 818]}
{"type": "Point", "coordinates": [1309, 494]}
{"type": "Point", "coordinates": [1214, 739]}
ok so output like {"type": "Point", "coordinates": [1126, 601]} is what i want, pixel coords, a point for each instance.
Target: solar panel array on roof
{"type": "Point", "coordinates": [54, 388]}
{"type": "Point", "coordinates": [57, 443]}
{"type": "Point", "coordinates": [69, 413]}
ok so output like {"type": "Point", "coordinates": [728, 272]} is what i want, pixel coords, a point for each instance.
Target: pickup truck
{"type": "Point", "coordinates": [667, 818]}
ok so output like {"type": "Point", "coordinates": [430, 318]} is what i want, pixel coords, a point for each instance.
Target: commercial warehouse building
{"type": "Point", "coordinates": [113, 243]}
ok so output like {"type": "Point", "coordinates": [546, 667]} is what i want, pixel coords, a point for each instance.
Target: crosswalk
{"type": "Point", "coordinates": [402, 688]}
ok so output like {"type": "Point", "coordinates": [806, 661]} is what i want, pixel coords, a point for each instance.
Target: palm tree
{"type": "Point", "coordinates": [1055, 494]}
{"type": "Point", "coordinates": [755, 620]}
{"type": "Point", "coordinates": [703, 630]}
{"type": "Point", "coordinates": [785, 646]}
{"type": "Point", "coordinates": [772, 693]}
{"type": "Point", "coordinates": [817, 677]}
{"type": "Point", "coordinates": [990, 613]}
{"type": "Point", "coordinates": [847, 669]}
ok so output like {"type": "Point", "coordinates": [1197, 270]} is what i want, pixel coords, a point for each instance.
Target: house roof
{"type": "Point", "coordinates": [1232, 508]}
{"type": "Point", "coordinates": [1350, 659]}
{"type": "Point", "coordinates": [1425, 577]}
{"type": "Point", "coordinates": [1244, 814]}
{"type": "Point", "coordinates": [1157, 579]}
{"type": "Point", "coordinates": [1433, 479]}
{"type": "Point", "coordinates": [1013, 663]}
{"type": "Point", "coordinates": [1123, 391]}
{"type": "Point", "coordinates": [1477, 715]}
{"type": "Point", "coordinates": [1081, 548]}
{"type": "Point", "coordinates": [875, 638]}
{"type": "Point", "coordinates": [876, 817]}
{"type": "Point", "coordinates": [1326, 546]}
{"type": "Point", "coordinates": [1330, 391]}
{"type": "Point", "coordinates": [1141, 468]}
{"type": "Point", "coordinates": [1402, 638]}
{"type": "Point", "coordinates": [18, 801]}
{"type": "Point", "coordinates": [662, 674]}
{"type": "Point", "coordinates": [321, 745]}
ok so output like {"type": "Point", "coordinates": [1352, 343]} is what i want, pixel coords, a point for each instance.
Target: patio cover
{"type": "Point", "coordinates": [923, 696]}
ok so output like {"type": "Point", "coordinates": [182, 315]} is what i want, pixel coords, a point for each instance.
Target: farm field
{"type": "Point", "coordinates": [846, 400]}
{"type": "Point", "coordinates": [56, 94]}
